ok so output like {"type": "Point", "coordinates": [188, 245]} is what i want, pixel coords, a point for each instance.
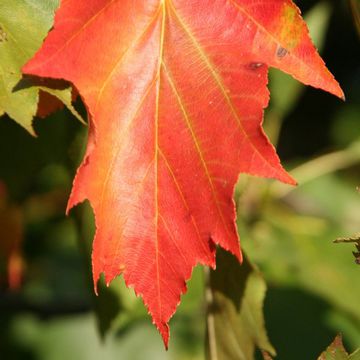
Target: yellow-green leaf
{"type": "Point", "coordinates": [235, 320]}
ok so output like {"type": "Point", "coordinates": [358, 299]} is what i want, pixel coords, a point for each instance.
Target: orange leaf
{"type": "Point", "coordinates": [11, 236]}
{"type": "Point", "coordinates": [175, 90]}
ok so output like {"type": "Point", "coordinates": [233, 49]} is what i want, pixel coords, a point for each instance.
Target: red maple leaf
{"type": "Point", "coordinates": [175, 91]}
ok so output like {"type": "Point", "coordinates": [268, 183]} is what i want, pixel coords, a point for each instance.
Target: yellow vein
{"type": "Point", "coordinates": [120, 140]}
{"type": "Point", "coordinates": [132, 118]}
{"type": "Point", "coordinates": [197, 145]}
{"type": "Point", "coordinates": [167, 228]}
{"type": "Point", "coordinates": [156, 143]}
{"type": "Point", "coordinates": [135, 195]}
{"type": "Point", "coordinates": [165, 259]}
{"type": "Point", "coordinates": [218, 81]}
{"type": "Point", "coordinates": [251, 18]}
{"type": "Point", "coordinates": [76, 33]}
{"type": "Point", "coordinates": [123, 55]}
{"type": "Point", "coordinates": [182, 197]}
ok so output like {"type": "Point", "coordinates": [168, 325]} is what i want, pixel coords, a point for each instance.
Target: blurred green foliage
{"type": "Point", "coordinates": [314, 288]}
{"type": "Point", "coordinates": [235, 322]}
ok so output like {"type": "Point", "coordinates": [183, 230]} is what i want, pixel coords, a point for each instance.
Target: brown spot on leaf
{"type": "Point", "coordinates": [255, 65]}
{"type": "Point", "coordinates": [281, 52]}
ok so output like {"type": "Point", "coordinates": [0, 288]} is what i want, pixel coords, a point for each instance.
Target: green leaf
{"type": "Point", "coordinates": [298, 232]}
{"type": "Point", "coordinates": [235, 321]}
{"type": "Point", "coordinates": [65, 96]}
{"type": "Point", "coordinates": [300, 241]}
{"type": "Point", "coordinates": [336, 351]}
{"type": "Point", "coordinates": [23, 27]}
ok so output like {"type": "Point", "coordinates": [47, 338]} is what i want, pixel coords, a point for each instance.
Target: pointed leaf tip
{"type": "Point", "coordinates": [165, 334]}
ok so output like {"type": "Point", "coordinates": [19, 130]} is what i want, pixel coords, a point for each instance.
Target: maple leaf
{"type": "Point", "coordinates": [175, 90]}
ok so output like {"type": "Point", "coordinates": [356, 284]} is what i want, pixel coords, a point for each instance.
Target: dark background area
{"type": "Point", "coordinates": [313, 284]}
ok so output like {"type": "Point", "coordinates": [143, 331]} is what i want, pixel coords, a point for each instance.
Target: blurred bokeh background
{"type": "Point", "coordinates": [47, 307]}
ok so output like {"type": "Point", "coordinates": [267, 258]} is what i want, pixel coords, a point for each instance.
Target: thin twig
{"type": "Point", "coordinates": [211, 332]}
{"type": "Point", "coordinates": [320, 166]}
